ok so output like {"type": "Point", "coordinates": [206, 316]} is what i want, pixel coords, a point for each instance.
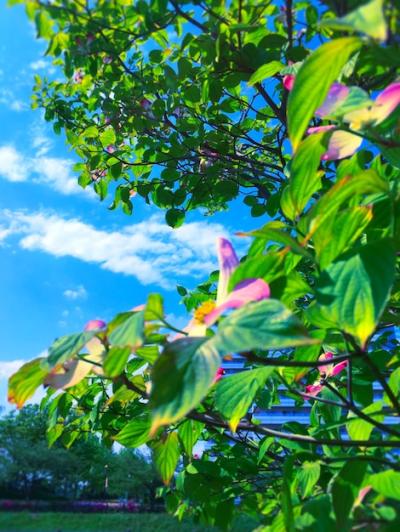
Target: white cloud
{"type": "Point", "coordinates": [52, 171]}
{"type": "Point", "coordinates": [41, 64]}
{"type": "Point", "coordinates": [40, 141]}
{"type": "Point", "coordinates": [8, 99]}
{"type": "Point", "coordinates": [76, 293]}
{"type": "Point", "coordinates": [13, 167]}
{"type": "Point", "coordinates": [150, 251]}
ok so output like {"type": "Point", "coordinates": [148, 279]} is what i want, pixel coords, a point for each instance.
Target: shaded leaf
{"type": "Point", "coordinates": [166, 456]}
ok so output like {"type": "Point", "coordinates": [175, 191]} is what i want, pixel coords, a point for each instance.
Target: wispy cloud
{"type": "Point", "coordinates": [150, 251]}
{"type": "Point", "coordinates": [43, 169]}
{"type": "Point", "coordinates": [42, 65]}
{"type": "Point", "coordinates": [79, 292]}
{"type": "Point", "coordinates": [8, 99]}
{"type": "Point", "coordinates": [41, 143]}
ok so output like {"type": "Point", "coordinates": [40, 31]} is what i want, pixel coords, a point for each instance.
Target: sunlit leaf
{"type": "Point", "coordinates": [181, 378]}
{"type": "Point", "coordinates": [23, 384]}
{"type": "Point", "coordinates": [235, 393]}
{"type": "Point", "coordinates": [313, 81]}
{"type": "Point", "coordinates": [368, 18]}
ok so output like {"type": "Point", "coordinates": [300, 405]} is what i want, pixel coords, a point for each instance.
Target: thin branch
{"type": "Point", "coordinates": [187, 17]}
{"type": "Point", "coordinates": [295, 363]}
{"type": "Point", "coordinates": [261, 429]}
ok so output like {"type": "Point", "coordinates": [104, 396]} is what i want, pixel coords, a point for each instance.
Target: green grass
{"type": "Point", "coordinates": [78, 522]}
{"type": "Point", "coordinates": [75, 522]}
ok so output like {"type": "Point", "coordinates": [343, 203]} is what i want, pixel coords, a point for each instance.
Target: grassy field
{"type": "Point", "coordinates": [74, 522]}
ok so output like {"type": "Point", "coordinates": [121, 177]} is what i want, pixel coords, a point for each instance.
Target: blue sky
{"type": "Point", "coordinates": [64, 258]}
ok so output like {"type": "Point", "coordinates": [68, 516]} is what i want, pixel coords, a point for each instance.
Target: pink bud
{"type": "Point", "coordinates": [78, 76]}
{"type": "Point", "coordinates": [218, 375]}
{"type": "Point", "coordinates": [288, 81]}
{"type": "Point", "coordinates": [95, 324]}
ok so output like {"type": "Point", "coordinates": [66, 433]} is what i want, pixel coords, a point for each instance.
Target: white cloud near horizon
{"type": "Point", "coordinates": [149, 250]}
{"type": "Point", "coordinates": [41, 168]}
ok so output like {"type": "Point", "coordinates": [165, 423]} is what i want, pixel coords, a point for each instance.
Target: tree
{"type": "Point", "coordinates": [190, 104]}
{"type": "Point", "coordinates": [29, 468]}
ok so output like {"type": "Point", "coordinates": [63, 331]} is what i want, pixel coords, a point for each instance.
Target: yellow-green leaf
{"type": "Point", "coordinates": [313, 81]}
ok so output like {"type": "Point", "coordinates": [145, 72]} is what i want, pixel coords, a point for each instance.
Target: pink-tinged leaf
{"type": "Point", "coordinates": [70, 374]}
{"type": "Point", "coordinates": [228, 262]}
{"type": "Point", "coordinates": [245, 292]}
{"type": "Point", "coordinates": [387, 101]}
{"type": "Point", "coordinates": [336, 95]}
{"type": "Point", "coordinates": [313, 389]}
{"type": "Point", "coordinates": [361, 495]}
{"type": "Point", "coordinates": [339, 367]}
{"type": "Point", "coordinates": [341, 143]}
{"type": "Point", "coordinates": [95, 347]}
{"type": "Point", "coordinates": [325, 370]}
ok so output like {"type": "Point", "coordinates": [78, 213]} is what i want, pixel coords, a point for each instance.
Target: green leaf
{"type": "Point", "coordinates": [53, 433]}
{"type": "Point", "coordinates": [23, 384]}
{"type": "Point", "coordinates": [367, 182]}
{"type": "Point", "coordinates": [386, 483]}
{"type": "Point", "coordinates": [135, 432]}
{"type": "Point", "coordinates": [129, 332]}
{"type": "Point", "coordinates": [313, 81]}
{"type": "Point", "coordinates": [181, 290]}
{"type": "Point", "coordinates": [337, 233]}
{"type": "Point", "coordinates": [352, 292]}
{"type": "Point", "coordinates": [286, 501]}
{"type": "Point", "coordinates": [44, 25]}
{"type": "Point", "coordinates": [267, 324]}
{"type": "Point", "coordinates": [360, 429]}
{"type": "Point", "coordinates": [265, 71]}
{"type": "Point", "coordinates": [307, 476]}
{"type": "Point", "coordinates": [345, 488]}
{"type": "Point", "coordinates": [267, 267]}
{"type": "Point", "coordinates": [166, 456]}
{"type": "Point", "coordinates": [154, 308]}
{"type": "Point", "coordinates": [189, 432]}
{"type": "Point", "coordinates": [175, 217]}
{"type": "Point", "coordinates": [305, 179]}
{"type": "Point", "coordinates": [235, 394]}
{"type": "Point", "coordinates": [181, 378]}
{"type": "Point", "coordinates": [149, 353]}
{"type": "Point", "coordinates": [107, 137]}
{"type": "Point", "coordinates": [66, 347]}
{"type": "Point", "coordinates": [115, 360]}
{"type": "Point", "coordinates": [278, 232]}
{"type": "Point", "coordinates": [368, 18]}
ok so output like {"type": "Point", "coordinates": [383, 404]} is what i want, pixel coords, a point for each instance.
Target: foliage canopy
{"type": "Point", "coordinates": [293, 108]}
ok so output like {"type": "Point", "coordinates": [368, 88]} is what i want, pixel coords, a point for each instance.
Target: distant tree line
{"type": "Point", "coordinates": [30, 469]}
